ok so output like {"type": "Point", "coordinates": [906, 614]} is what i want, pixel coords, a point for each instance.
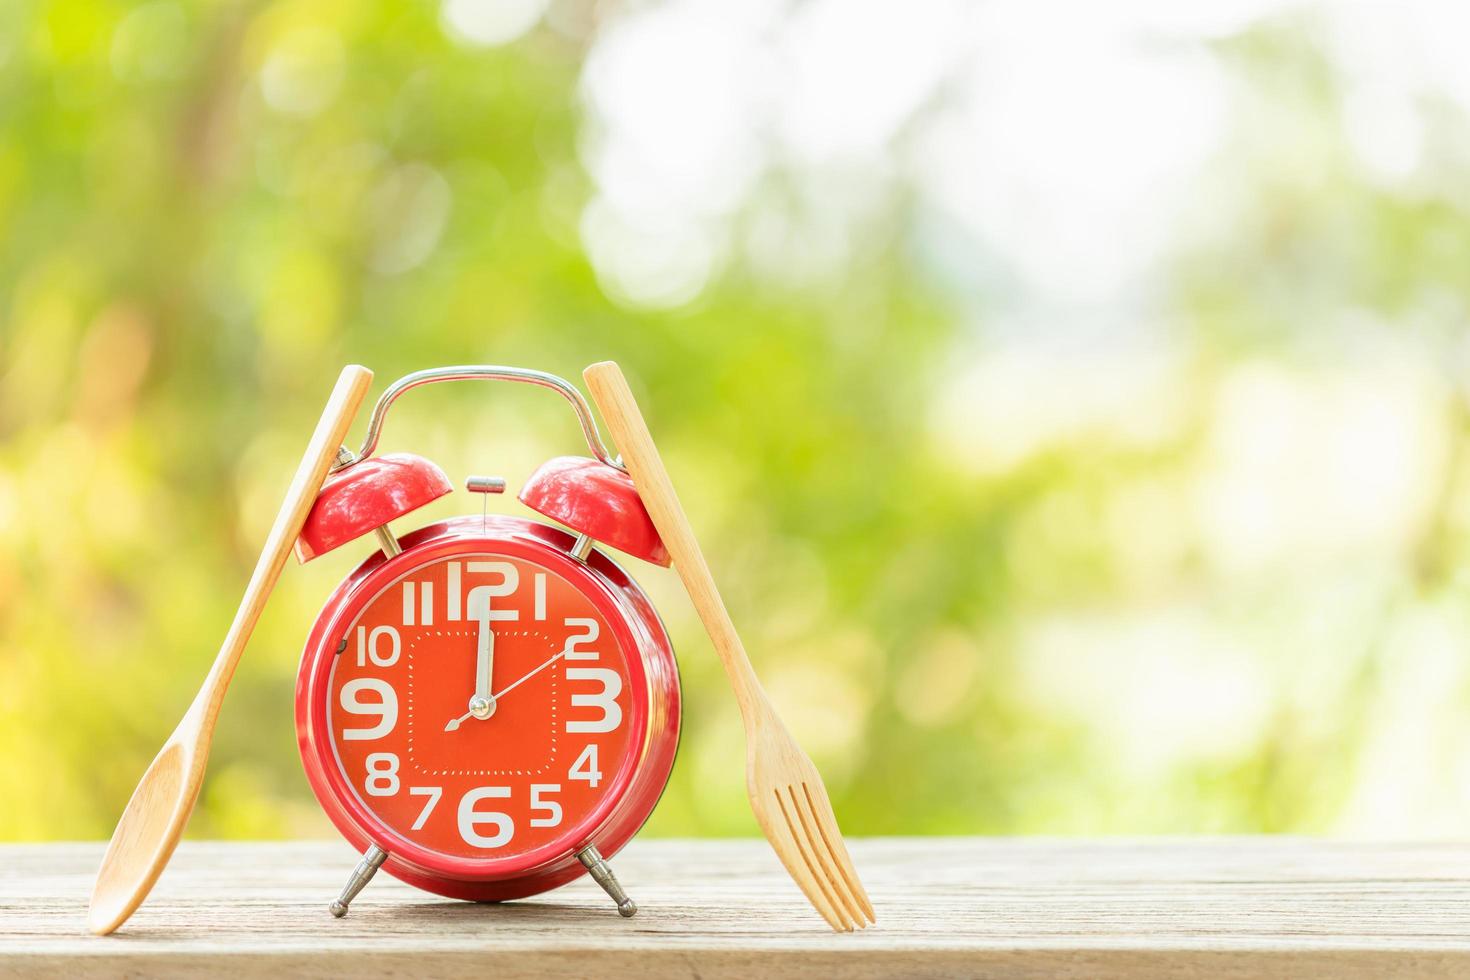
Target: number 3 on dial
{"type": "Point", "coordinates": [606, 699]}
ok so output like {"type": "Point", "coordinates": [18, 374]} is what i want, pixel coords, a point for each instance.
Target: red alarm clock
{"type": "Point", "coordinates": [488, 706]}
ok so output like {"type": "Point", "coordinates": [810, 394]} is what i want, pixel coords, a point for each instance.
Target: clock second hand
{"type": "Point", "coordinates": [454, 723]}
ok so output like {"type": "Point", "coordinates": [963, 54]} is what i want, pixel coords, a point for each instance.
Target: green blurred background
{"type": "Point", "coordinates": [1073, 403]}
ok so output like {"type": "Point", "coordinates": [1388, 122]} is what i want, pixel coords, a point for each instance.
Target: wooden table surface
{"type": "Point", "coordinates": [1217, 907]}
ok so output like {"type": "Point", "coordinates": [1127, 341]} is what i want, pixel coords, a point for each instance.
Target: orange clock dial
{"type": "Point", "coordinates": [481, 707]}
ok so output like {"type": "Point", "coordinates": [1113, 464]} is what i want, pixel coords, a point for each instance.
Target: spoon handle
{"type": "Point", "coordinates": [331, 429]}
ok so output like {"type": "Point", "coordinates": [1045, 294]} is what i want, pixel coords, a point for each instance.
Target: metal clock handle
{"type": "Point", "coordinates": [481, 372]}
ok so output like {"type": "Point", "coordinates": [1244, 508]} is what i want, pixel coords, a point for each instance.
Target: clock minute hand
{"type": "Point", "coordinates": [525, 677]}
{"type": "Point", "coordinates": [454, 723]}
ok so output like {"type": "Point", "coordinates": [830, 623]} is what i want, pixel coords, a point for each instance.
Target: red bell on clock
{"type": "Point", "coordinates": [488, 706]}
{"type": "Point", "coordinates": [596, 500]}
{"type": "Point", "coordinates": [365, 497]}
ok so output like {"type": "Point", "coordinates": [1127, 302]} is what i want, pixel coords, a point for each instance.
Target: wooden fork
{"type": "Point", "coordinates": [786, 791]}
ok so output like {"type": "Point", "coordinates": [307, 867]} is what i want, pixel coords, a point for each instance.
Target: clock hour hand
{"type": "Point", "coordinates": [484, 666]}
{"type": "Point", "coordinates": [482, 703]}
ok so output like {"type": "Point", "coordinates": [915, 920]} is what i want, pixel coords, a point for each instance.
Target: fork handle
{"type": "Point", "coordinates": [615, 400]}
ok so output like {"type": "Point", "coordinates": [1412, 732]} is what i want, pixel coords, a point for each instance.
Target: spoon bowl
{"type": "Point", "coordinates": [145, 837]}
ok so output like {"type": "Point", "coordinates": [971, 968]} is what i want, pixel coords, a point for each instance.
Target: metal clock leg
{"type": "Point", "coordinates": [361, 875]}
{"type": "Point", "coordinates": [602, 874]}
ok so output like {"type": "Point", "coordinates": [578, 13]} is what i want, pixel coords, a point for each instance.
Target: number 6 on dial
{"type": "Point", "coordinates": [470, 820]}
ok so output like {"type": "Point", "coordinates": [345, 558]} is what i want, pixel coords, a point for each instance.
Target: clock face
{"type": "Point", "coordinates": [481, 707]}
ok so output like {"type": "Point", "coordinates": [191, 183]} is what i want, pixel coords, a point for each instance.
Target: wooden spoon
{"type": "Point", "coordinates": [150, 827]}
{"type": "Point", "coordinates": [786, 791]}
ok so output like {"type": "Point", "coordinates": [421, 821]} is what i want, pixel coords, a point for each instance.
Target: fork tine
{"type": "Point", "coordinates": [802, 830]}
{"type": "Point", "coordinates": [822, 809]}
{"type": "Point", "coordinates": [803, 869]}
{"type": "Point", "coordinates": [825, 862]}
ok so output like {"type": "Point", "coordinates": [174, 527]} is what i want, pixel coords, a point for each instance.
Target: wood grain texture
{"type": "Point", "coordinates": [1219, 907]}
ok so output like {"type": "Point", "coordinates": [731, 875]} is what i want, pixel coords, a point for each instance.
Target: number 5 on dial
{"type": "Point", "coordinates": [552, 808]}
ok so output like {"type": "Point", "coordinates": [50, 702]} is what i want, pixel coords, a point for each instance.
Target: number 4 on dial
{"type": "Point", "coordinates": [585, 768]}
